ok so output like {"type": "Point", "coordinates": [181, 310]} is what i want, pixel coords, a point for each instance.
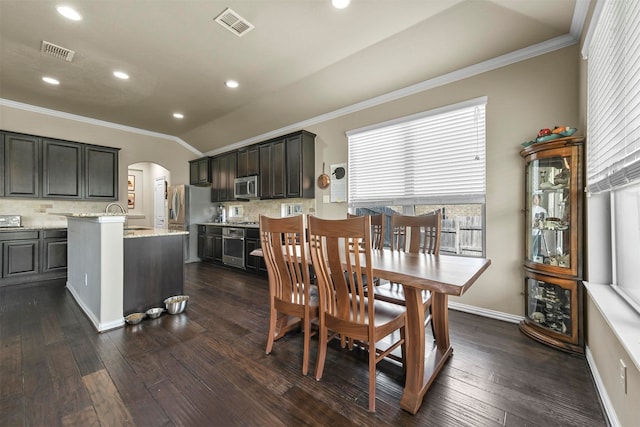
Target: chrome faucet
{"type": "Point", "coordinates": [106, 210]}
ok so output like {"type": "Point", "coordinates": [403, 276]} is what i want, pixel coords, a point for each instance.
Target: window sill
{"type": "Point", "coordinates": [621, 318]}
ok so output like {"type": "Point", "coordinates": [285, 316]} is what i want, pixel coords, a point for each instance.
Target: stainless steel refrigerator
{"type": "Point", "coordinates": [188, 207]}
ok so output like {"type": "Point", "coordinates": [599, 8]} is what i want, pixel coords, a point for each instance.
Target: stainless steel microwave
{"type": "Point", "coordinates": [245, 187]}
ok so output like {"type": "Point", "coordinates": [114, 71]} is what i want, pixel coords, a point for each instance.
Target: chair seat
{"type": "Point", "coordinates": [394, 293]}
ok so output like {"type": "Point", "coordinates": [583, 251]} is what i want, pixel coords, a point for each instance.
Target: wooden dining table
{"type": "Point", "coordinates": [442, 275]}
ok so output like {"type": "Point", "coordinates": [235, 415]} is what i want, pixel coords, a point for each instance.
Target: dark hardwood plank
{"type": "Point", "coordinates": [109, 407]}
{"type": "Point", "coordinates": [207, 366]}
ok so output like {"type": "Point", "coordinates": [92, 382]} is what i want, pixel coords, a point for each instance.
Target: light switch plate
{"type": "Point", "coordinates": [623, 376]}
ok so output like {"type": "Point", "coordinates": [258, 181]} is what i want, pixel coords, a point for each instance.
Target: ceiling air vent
{"type": "Point", "coordinates": [234, 22]}
{"type": "Point", "coordinates": [57, 51]}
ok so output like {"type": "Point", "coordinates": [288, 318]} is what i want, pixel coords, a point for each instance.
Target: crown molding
{"type": "Point", "coordinates": [95, 122]}
{"type": "Point", "coordinates": [532, 51]}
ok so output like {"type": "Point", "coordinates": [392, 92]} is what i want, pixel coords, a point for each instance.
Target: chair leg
{"type": "Point", "coordinates": [273, 318]}
{"type": "Point", "coordinates": [372, 377]}
{"type": "Point", "coordinates": [403, 348]}
{"type": "Point", "coordinates": [306, 346]}
{"type": "Point", "coordinates": [322, 351]}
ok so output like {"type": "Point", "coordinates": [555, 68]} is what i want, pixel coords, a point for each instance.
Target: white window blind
{"type": "Point", "coordinates": [614, 96]}
{"type": "Point", "coordinates": [435, 157]}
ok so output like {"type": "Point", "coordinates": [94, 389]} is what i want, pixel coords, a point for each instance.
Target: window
{"type": "Point", "coordinates": [613, 146]}
{"type": "Point", "coordinates": [420, 163]}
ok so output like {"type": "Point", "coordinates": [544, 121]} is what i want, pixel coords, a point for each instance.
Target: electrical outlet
{"type": "Point", "coordinates": [622, 373]}
{"type": "Point", "coordinates": [325, 199]}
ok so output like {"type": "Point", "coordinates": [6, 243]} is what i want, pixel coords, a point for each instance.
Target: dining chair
{"type": "Point", "coordinates": [292, 297]}
{"type": "Point", "coordinates": [413, 234]}
{"type": "Point", "coordinates": [377, 229]}
{"type": "Point", "coordinates": [340, 250]}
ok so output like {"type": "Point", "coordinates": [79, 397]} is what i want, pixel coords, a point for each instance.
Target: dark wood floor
{"type": "Point", "coordinates": [207, 367]}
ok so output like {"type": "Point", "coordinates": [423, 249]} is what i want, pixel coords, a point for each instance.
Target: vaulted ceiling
{"type": "Point", "coordinates": [302, 59]}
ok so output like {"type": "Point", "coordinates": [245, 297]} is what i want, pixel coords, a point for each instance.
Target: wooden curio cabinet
{"type": "Point", "coordinates": [553, 264]}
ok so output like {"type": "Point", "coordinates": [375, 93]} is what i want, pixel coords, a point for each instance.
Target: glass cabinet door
{"type": "Point", "coordinates": [549, 305]}
{"type": "Point", "coordinates": [549, 195]}
{"type": "Point", "coordinates": [552, 304]}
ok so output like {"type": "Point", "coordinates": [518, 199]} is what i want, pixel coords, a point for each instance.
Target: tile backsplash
{"type": "Point", "coordinates": [251, 211]}
{"type": "Point", "coordinates": [37, 212]}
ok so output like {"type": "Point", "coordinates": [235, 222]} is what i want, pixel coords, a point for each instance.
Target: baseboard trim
{"type": "Point", "coordinates": [609, 411]}
{"type": "Point", "coordinates": [485, 312]}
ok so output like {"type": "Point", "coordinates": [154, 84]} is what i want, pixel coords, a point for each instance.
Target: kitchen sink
{"type": "Point", "coordinates": [136, 227]}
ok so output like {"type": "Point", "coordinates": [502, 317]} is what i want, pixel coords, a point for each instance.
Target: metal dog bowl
{"type": "Point", "coordinates": [176, 304]}
{"type": "Point", "coordinates": [134, 318]}
{"type": "Point", "coordinates": [155, 312]}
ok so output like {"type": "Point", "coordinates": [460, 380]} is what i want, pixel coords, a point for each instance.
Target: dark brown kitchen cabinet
{"type": "Point", "coordinates": [223, 173]}
{"type": "Point", "coordinates": [21, 165]}
{"type": "Point", "coordinates": [210, 243]}
{"type": "Point", "coordinates": [20, 253]}
{"type": "Point", "coordinates": [272, 169]}
{"type": "Point", "coordinates": [300, 172]}
{"type": "Point", "coordinates": [248, 161]}
{"type": "Point", "coordinates": [199, 172]}
{"type": "Point", "coordinates": [1, 163]}
{"type": "Point", "coordinates": [54, 250]}
{"type": "Point", "coordinates": [253, 263]}
{"type": "Point", "coordinates": [101, 173]}
{"type": "Point", "coordinates": [32, 256]}
{"type": "Point", "coordinates": [62, 168]}
{"type": "Point", "coordinates": [37, 167]}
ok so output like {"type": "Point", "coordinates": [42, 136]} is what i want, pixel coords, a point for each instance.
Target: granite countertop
{"type": "Point", "coordinates": [151, 232]}
{"type": "Point", "coordinates": [87, 214]}
{"type": "Point", "coordinates": [232, 224]}
{"type": "Point", "coordinates": [34, 227]}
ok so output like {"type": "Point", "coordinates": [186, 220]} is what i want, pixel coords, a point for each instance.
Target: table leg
{"type": "Point", "coordinates": [422, 369]}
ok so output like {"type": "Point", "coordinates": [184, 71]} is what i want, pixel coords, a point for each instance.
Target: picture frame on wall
{"type": "Point", "coordinates": [131, 200]}
{"type": "Point", "coordinates": [131, 183]}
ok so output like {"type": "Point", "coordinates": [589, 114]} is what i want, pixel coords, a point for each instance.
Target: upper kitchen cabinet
{"type": "Point", "coordinates": [37, 167]}
{"type": "Point", "coordinates": [248, 161]}
{"type": "Point", "coordinates": [272, 169]}
{"type": "Point", "coordinates": [21, 165]}
{"type": "Point", "coordinates": [200, 172]}
{"type": "Point", "coordinates": [301, 159]}
{"type": "Point", "coordinates": [62, 169]}
{"type": "Point", "coordinates": [101, 173]}
{"type": "Point", "coordinates": [223, 173]}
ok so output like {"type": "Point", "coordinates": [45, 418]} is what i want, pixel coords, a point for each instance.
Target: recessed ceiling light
{"type": "Point", "coordinates": [232, 84]}
{"type": "Point", "coordinates": [51, 80]}
{"type": "Point", "coordinates": [178, 115]}
{"type": "Point", "coordinates": [340, 4]}
{"type": "Point", "coordinates": [121, 75]}
{"type": "Point", "coordinates": [69, 13]}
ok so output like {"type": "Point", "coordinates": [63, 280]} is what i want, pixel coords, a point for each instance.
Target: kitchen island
{"type": "Point", "coordinates": [112, 270]}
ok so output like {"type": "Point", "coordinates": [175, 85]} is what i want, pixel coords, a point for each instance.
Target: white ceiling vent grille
{"type": "Point", "coordinates": [57, 51]}
{"type": "Point", "coordinates": [234, 22]}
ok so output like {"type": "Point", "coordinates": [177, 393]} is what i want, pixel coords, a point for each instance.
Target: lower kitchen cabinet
{"type": "Point", "coordinates": [20, 257]}
{"type": "Point", "coordinates": [30, 256]}
{"type": "Point", "coordinates": [210, 243]}
{"type": "Point", "coordinates": [252, 242]}
{"type": "Point", "coordinates": [54, 250]}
